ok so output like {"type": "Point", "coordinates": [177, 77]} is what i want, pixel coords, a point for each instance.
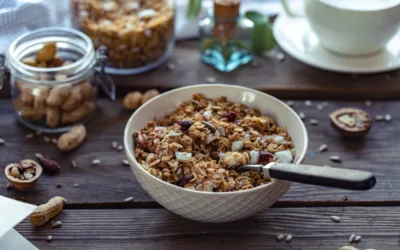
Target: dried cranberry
{"type": "Point", "coordinates": [185, 180]}
{"type": "Point", "coordinates": [185, 124]}
{"type": "Point", "coordinates": [265, 157]}
{"type": "Point", "coordinates": [231, 116]}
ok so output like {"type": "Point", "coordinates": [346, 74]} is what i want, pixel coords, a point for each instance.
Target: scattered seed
{"type": "Point", "coordinates": [171, 66]}
{"type": "Point", "coordinates": [345, 198]}
{"type": "Point", "coordinates": [290, 103]}
{"type": "Point", "coordinates": [314, 122]}
{"type": "Point", "coordinates": [46, 139]}
{"type": "Point", "coordinates": [357, 238]}
{"type": "Point", "coordinates": [379, 118]}
{"type": "Point", "coordinates": [120, 148]}
{"type": "Point", "coordinates": [335, 158]}
{"type": "Point", "coordinates": [368, 103]}
{"type": "Point", "coordinates": [56, 224]}
{"type": "Point", "coordinates": [73, 163]}
{"type": "Point", "coordinates": [129, 199]}
{"type": "Point", "coordinates": [114, 144]}
{"type": "Point", "coordinates": [302, 115]}
{"type": "Point", "coordinates": [255, 64]}
{"type": "Point", "coordinates": [335, 218]}
{"type": "Point", "coordinates": [288, 238]}
{"type": "Point", "coordinates": [320, 107]}
{"type": "Point", "coordinates": [59, 186]}
{"type": "Point", "coordinates": [280, 56]}
{"type": "Point", "coordinates": [210, 79]}
{"type": "Point", "coordinates": [352, 237]}
{"type": "Point", "coordinates": [323, 148]}
{"type": "Point", "coordinates": [348, 248]}
{"type": "Point", "coordinates": [38, 156]}
{"type": "Point", "coordinates": [308, 103]}
{"type": "Point", "coordinates": [280, 237]}
{"type": "Point", "coordinates": [29, 136]}
{"type": "Point", "coordinates": [54, 141]}
{"type": "Point", "coordinates": [125, 162]}
{"type": "Point", "coordinates": [10, 186]}
{"type": "Point", "coordinates": [38, 132]}
{"type": "Point", "coordinates": [76, 185]}
{"type": "Point", "coordinates": [49, 238]}
{"type": "Point", "coordinates": [96, 162]}
{"type": "Point", "coordinates": [388, 117]}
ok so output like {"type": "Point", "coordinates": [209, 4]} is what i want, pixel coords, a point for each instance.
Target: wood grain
{"type": "Point", "coordinates": [312, 229]}
{"type": "Point", "coordinates": [111, 182]}
{"type": "Point", "coordinates": [286, 79]}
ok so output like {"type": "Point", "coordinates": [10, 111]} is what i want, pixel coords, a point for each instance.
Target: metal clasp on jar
{"type": "Point", "coordinates": [101, 76]}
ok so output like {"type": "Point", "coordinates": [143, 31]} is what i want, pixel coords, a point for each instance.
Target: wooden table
{"type": "Point", "coordinates": [97, 217]}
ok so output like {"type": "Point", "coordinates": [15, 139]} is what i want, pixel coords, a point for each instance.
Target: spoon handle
{"type": "Point", "coordinates": [322, 176]}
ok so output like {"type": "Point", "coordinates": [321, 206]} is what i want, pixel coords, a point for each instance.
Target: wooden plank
{"type": "Point", "coordinates": [286, 79]}
{"type": "Point", "coordinates": [111, 182]}
{"type": "Point", "coordinates": [312, 229]}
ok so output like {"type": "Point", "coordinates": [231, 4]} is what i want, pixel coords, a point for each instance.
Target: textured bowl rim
{"type": "Point", "coordinates": [129, 151]}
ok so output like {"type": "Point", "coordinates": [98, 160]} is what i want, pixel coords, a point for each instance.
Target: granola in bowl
{"type": "Point", "coordinates": [200, 144]}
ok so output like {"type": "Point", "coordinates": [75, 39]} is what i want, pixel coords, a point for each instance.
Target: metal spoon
{"type": "Point", "coordinates": [315, 175]}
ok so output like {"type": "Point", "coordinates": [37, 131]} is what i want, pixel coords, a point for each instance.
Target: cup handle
{"type": "Point", "coordinates": [288, 10]}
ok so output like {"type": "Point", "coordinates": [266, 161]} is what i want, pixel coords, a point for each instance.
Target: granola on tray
{"type": "Point", "coordinates": [199, 145]}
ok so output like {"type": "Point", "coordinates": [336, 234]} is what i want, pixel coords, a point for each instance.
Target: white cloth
{"type": "Point", "coordinates": [20, 16]}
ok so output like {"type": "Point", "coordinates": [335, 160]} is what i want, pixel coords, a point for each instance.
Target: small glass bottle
{"type": "Point", "coordinates": [226, 37]}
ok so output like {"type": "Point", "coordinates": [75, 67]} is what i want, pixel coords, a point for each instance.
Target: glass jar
{"type": "Point", "coordinates": [53, 80]}
{"type": "Point", "coordinates": [139, 34]}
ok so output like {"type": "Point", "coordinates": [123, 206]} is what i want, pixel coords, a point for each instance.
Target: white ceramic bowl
{"type": "Point", "coordinates": [208, 206]}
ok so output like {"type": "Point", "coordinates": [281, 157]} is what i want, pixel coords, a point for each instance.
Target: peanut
{"type": "Point", "coordinates": [86, 90]}
{"type": "Point", "coordinates": [27, 98]}
{"type": "Point", "coordinates": [60, 77]}
{"type": "Point", "coordinates": [73, 138]}
{"type": "Point", "coordinates": [74, 100]}
{"type": "Point", "coordinates": [31, 61]}
{"type": "Point", "coordinates": [132, 100]}
{"type": "Point", "coordinates": [56, 62]}
{"type": "Point", "coordinates": [46, 53]}
{"type": "Point", "coordinates": [45, 212]}
{"type": "Point", "coordinates": [40, 94]}
{"type": "Point", "coordinates": [58, 95]}
{"type": "Point", "coordinates": [77, 114]}
{"type": "Point", "coordinates": [53, 117]}
{"type": "Point", "coordinates": [149, 94]}
{"type": "Point", "coordinates": [30, 113]}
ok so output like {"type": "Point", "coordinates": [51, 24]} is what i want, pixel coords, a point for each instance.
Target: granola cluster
{"type": "Point", "coordinates": [136, 32]}
{"type": "Point", "coordinates": [199, 145]}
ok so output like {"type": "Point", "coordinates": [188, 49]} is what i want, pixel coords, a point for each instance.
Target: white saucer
{"type": "Point", "coordinates": [295, 37]}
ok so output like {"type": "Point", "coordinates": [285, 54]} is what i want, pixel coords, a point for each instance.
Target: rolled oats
{"type": "Point", "coordinates": [199, 145]}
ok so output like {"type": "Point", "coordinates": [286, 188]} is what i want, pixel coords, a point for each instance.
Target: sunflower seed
{"type": "Point", "coordinates": [335, 218]}
{"type": "Point", "coordinates": [302, 115]}
{"type": "Point", "coordinates": [288, 238]}
{"type": "Point", "coordinates": [2, 141]}
{"type": "Point", "coordinates": [120, 148]}
{"type": "Point", "coordinates": [357, 238]}
{"type": "Point", "coordinates": [76, 185]}
{"type": "Point", "coordinates": [73, 163]}
{"type": "Point", "coordinates": [280, 56]}
{"type": "Point", "coordinates": [54, 141]}
{"type": "Point", "coordinates": [10, 186]}
{"type": "Point", "coordinates": [129, 199]}
{"type": "Point", "coordinates": [352, 237]}
{"type": "Point", "coordinates": [280, 237]}
{"type": "Point", "coordinates": [114, 144]}
{"type": "Point", "coordinates": [290, 103]}
{"type": "Point", "coordinates": [388, 117]}
{"type": "Point", "coordinates": [29, 136]}
{"type": "Point", "coordinates": [308, 103]}
{"type": "Point", "coordinates": [96, 162]}
{"type": "Point", "coordinates": [49, 238]}
{"type": "Point", "coordinates": [379, 118]}
{"type": "Point", "coordinates": [46, 139]}
{"type": "Point", "coordinates": [125, 162]}
{"type": "Point", "coordinates": [348, 248]}
{"type": "Point", "coordinates": [320, 107]}
{"type": "Point", "coordinates": [335, 158]}
{"type": "Point", "coordinates": [210, 79]}
{"type": "Point", "coordinates": [368, 103]}
{"type": "Point", "coordinates": [314, 122]}
{"type": "Point", "coordinates": [56, 224]}
{"type": "Point", "coordinates": [38, 156]}
{"type": "Point", "coordinates": [323, 148]}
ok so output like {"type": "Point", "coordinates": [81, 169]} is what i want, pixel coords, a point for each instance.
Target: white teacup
{"type": "Point", "coordinates": [352, 27]}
